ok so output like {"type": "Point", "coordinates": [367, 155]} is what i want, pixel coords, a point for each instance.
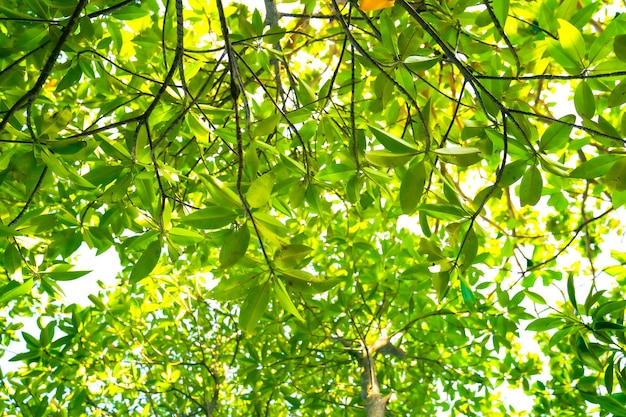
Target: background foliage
{"type": "Point", "coordinates": [315, 207]}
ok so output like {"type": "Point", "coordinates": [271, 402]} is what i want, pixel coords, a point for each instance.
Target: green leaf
{"type": "Point", "coordinates": [569, 62]}
{"type": "Point", "coordinates": [608, 376]}
{"type": "Point", "coordinates": [235, 246]}
{"type": "Point", "coordinates": [103, 175]}
{"type": "Point", "coordinates": [572, 41]}
{"type": "Point", "coordinates": [619, 47]}
{"type": "Point", "coordinates": [412, 187]}
{"type": "Point", "coordinates": [147, 262]}
{"type": "Point", "coordinates": [13, 262]}
{"type": "Point", "coordinates": [393, 143]}
{"type": "Point", "coordinates": [292, 255]}
{"type": "Point", "coordinates": [335, 173]}
{"type": "Point", "coordinates": [468, 296]}
{"type": "Point", "coordinates": [70, 79]}
{"type": "Point", "coordinates": [285, 299]}
{"type": "Point", "coordinates": [266, 126]}
{"type": "Point", "coordinates": [253, 308]}
{"type": "Point", "coordinates": [130, 12]}
{"type": "Point", "coordinates": [595, 167]}
{"type": "Point", "coordinates": [421, 63]}
{"type": "Point", "coordinates": [571, 291]}
{"type": "Point", "coordinates": [14, 289]}
{"type": "Point", "coordinates": [443, 211]}
{"type": "Point", "coordinates": [387, 159]}
{"type": "Point", "coordinates": [618, 95]}
{"type": "Point", "coordinates": [260, 190]}
{"type": "Point", "coordinates": [235, 287]}
{"type": "Point", "coordinates": [584, 100]}
{"type": "Point", "coordinates": [441, 283]}
{"type": "Point", "coordinates": [616, 176]}
{"type": "Point", "coordinates": [607, 308]}
{"type": "Point", "coordinates": [52, 123]}
{"type": "Point", "coordinates": [535, 297]}
{"type": "Point", "coordinates": [512, 172]}
{"type": "Point", "coordinates": [501, 10]}
{"type": "Point", "coordinates": [588, 356]}
{"type": "Point", "coordinates": [306, 282]}
{"type": "Point", "coordinates": [388, 33]}
{"type": "Point", "coordinates": [545, 323]}
{"type": "Point", "coordinates": [531, 187]}
{"type": "Point", "coordinates": [184, 237]}
{"type": "Point", "coordinates": [210, 218]}
{"type": "Point", "coordinates": [62, 272]}
{"type": "Point", "coordinates": [459, 155]}
{"type": "Point", "coordinates": [557, 135]}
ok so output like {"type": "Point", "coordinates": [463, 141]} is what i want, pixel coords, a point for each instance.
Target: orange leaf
{"type": "Point", "coordinates": [368, 5]}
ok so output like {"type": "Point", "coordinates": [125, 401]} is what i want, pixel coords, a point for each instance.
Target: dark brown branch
{"type": "Point", "coordinates": [110, 9]}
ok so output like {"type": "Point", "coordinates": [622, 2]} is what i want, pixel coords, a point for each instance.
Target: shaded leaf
{"type": "Point", "coordinates": [412, 187]}
{"type": "Point", "coordinates": [253, 308]}
{"type": "Point", "coordinates": [147, 262]}
{"type": "Point", "coordinates": [531, 187]}
{"type": "Point", "coordinates": [235, 246]}
{"type": "Point", "coordinates": [285, 299]}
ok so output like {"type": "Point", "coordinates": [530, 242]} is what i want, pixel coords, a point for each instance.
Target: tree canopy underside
{"type": "Point", "coordinates": [319, 210]}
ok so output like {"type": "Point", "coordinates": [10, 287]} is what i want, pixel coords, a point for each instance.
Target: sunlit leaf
{"type": "Point", "coordinates": [285, 299]}
{"type": "Point", "coordinates": [210, 218]}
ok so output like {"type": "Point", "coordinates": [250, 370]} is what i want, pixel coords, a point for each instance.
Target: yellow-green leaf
{"type": "Point", "coordinates": [266, 126]}
{"type": "Point", "coordinates": [260, 190]}
{"type": "Point", "coordinates": [285, 299]}
{"type": "Point", "coordinates": [619, 47]}
{"type": "Point", "coordinates": [459, 155]}
{"type": "Point", "coordinates": [387, 159]}
{"type": "Point", "coordinates": [393, 143]}
{"type": "Point", "coordinates": [616, 176]}
{"type": "Point", "coordinates": [557, 134]}
{"type": "Point", "coordinates": [572, 41]}
{"type": "Point", "coordinates": [253, 308]}
{"type": "Point", "coordinates": [210, 218]}
{"type": "Point", "coordinates": [184, 237]}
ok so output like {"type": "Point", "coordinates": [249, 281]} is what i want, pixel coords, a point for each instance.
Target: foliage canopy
{"type": "Point", "coordinates": [318, 210]}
